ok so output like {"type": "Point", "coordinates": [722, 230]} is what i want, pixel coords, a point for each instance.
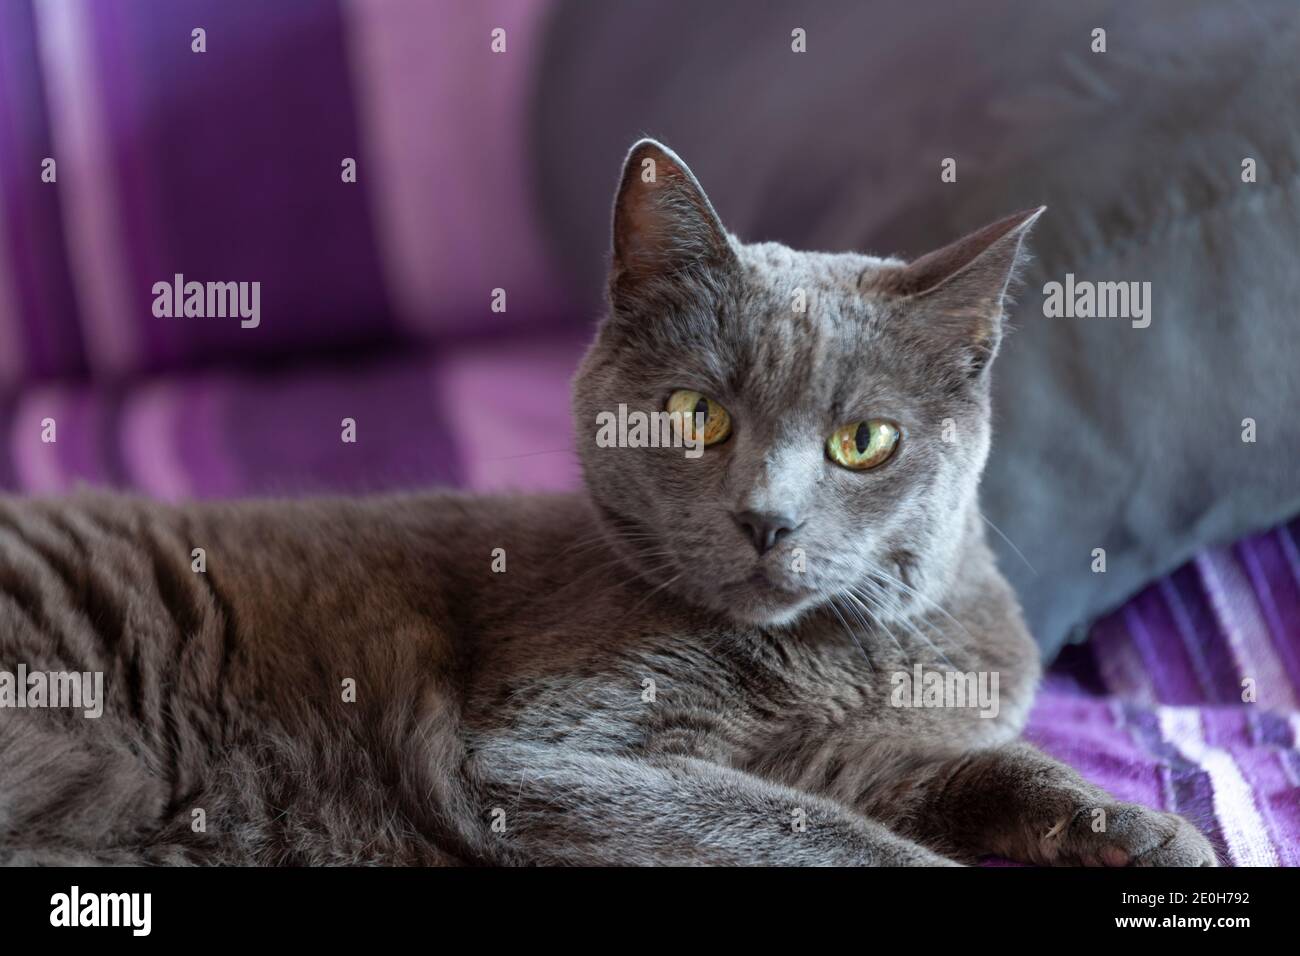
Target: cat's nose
{"type": "Point", "coordinates": [764, 528]}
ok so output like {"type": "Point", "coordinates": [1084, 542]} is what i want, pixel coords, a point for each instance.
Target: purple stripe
{"type": "Point", "coordinates": [1172, 670]}
{"type": "Point", "coordinates": [1279, 598]}
{"type": "Point", "coordinates": [283, 435]}
{"type": "Point", "coordinates": [1211, 644]}
{"type": "Point", "coordinates": [88, 197]}
{"type": "Point", "coordinates": [1270, 729]}
{"type": "Point", "coordinates": [1227, 728]}
{"type": "Point", "coordinates": [133, 149]}
{"type": "Point", "coordinates": [13, 347]}
{"type": "Point", "coordinates": [96, 452]}
{"type": "Point", "coordinates": [1185, 628]}
{"type": "Point", "coordinates": [253, 133]}
{"type": "Point", "coordinates": [32, 237]}
{"type": "Point", "coordinates": [1118, 660]}
{"type": "Point", "coordinates": [1290, 760]}
{"type": "Point", "coordinates": [76, 448]}
{"type": "Point", "coordinates": [8, 474]}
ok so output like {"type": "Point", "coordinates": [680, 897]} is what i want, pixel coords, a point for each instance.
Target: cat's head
{"type": "Point", "coordinates": [847, 402]}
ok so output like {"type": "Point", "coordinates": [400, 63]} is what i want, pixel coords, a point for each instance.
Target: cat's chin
{"type": "Point", "coordinates": [767, 606]}
{"type": "Point", "coordinates": [755, 616]}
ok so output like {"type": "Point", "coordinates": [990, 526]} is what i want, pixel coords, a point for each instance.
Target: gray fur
{"type": "Point", "coordinates": [639, 686]}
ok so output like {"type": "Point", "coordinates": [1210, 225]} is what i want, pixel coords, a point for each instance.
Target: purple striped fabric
{"type": "Point", "coordinates": [1186, 699]}
{"type": "Point", "coordinates": [489, 414]}
{"type": "Point", "coordinates": [226, 165]}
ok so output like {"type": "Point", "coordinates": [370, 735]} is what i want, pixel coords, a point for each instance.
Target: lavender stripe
{"type": "Point", "coordinates": [493, 394]}
{"type": "Point", "coordinates": [36, 464]}
{"type": "Point", "coordinates": [1279, 599]}
{"type": "Point", "coordinates": [132, 147]}
{"type": "Point", "coordinates": [150, 420]}
{"type": "Point", "coordinates": [14, 32]}
{"type": "Point", "coordinates": [1238, 613]}
{"type": "Point", "coordinates": [446, 248]}
{"type": "Point", "coordinates": [1270, 729]}
{"type": "Point", "coordinates": [93, 218]}
{"type": "Point", "coordinates": [1290, 761]}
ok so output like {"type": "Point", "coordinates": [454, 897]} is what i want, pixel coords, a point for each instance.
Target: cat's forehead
{"type": "Point", "coordinates": [780, 273]}
{"type": "Point", "coordinates": [809, 330]}
{"type": "Point", "coordinates": [793, 298]}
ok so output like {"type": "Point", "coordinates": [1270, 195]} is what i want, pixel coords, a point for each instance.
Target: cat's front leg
{"type": "Point", "coordinates": [1017, 802]}
{"type": "Point", "coordinates": [552, 805]}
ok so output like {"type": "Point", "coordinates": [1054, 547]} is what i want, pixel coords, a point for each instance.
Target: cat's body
{"type": "Point", "coordinates": [607, 677]}
{"type": "Point", "coordinates": [225, 688]}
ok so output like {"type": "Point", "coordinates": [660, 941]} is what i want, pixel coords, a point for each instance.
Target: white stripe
{"type": "Point", "coordinates": [1234, 801]}
{"type": "Point", "coordinates": [1246, 630]}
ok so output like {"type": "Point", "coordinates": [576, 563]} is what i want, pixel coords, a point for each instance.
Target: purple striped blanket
{"type": "Point", "coordinates": [1186, 698]}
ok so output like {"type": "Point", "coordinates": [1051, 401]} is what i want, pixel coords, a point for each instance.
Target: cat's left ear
{"type": "Point", "coordinates": [663, 221]}
{"type": "Point", "coordinates": [959, 291]}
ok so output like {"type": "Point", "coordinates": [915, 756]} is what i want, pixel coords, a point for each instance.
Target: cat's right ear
{"type": "Point", "coordinates": [957, 294]}
{"type": "Point", "coordinates": [663, 222]}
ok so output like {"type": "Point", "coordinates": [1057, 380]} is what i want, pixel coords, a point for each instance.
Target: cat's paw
{"type": "Point", "coordinates": [1125, 834]}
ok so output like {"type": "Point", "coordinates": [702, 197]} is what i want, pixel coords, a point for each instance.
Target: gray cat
{"type": "Point", "coordinates": [781, 639]}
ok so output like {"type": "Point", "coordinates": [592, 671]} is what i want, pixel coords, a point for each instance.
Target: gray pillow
{"type": "Point", "coordinates": [1107, 436]}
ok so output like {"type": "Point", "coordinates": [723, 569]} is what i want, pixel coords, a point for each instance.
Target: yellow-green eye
{"type": "Point", "coordinates": [688, 404]}
{"type": "Point", "coordinates": [862, 445]}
